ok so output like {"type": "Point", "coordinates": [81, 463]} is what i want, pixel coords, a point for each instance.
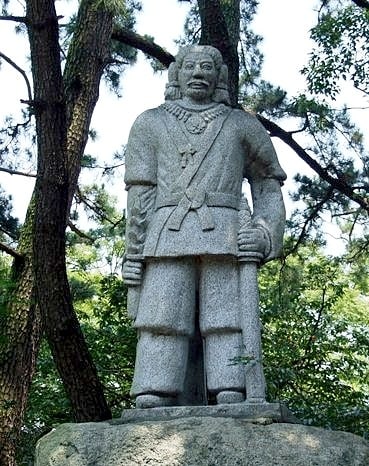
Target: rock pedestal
{"type": "Point", "coordinates": [211, 440]}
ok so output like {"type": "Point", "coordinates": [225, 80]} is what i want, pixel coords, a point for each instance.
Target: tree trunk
{"type": "Point", "coordinates": [220, 27]}
{"type": "Point", "coordinates": [19, 343]}
{"type": "Point", "coordinates": [88, 55]}
{"type": "Point", "coordinates": [62, 129]}
{"type": "Point", "coordinates": [53, 193]}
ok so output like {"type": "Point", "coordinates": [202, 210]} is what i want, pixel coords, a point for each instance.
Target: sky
{"type": "Point", "coordinates": [284, 25]}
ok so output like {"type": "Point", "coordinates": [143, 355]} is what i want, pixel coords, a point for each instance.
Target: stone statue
{"type": "Point", "coordinates": [193, 245]}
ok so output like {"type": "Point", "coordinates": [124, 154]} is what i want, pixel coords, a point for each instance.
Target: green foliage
{"type": "Point", "coordinates": [100, 302]}
{"type": "Point", "coordinates": [342, 47]}
{"type": "Point", "coordinates": [105, 234]}
{"type": "Point", "coordinates": [265, 97]}
{"type": "Point", "coordinates": [251, 59]}
{"type": "Point", "coordinates": [314, 308]}
{"type": "Point", "coordinates": [6, 288]}
{"type": "Point", "coordinates": [47, 406]}
{"type": "Point", "coordinates": [121, 54]}
{"type": "Point", "coordinates": [99, 297]}
{"type": "Point", "coordinates": [17, 141]}
{"type": "Point", "coordinates": [316, 340]}
{"type": "Point", "coordinates": [192, 27]}
{"type": "Point", "coordinates": [9, 225]}
{"type": "Point", "coordinates": [327, 134]}
{"type": "Point", "coordinates": [112, 341]}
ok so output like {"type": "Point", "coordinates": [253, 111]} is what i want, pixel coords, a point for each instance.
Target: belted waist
{"type": "Point", "coordinates": [210, 199]}
{"type": "Point", "coordinates": [198, 201]}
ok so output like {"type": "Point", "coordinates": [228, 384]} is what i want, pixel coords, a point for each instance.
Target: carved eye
{"type": "Point", "coordinates": [189, 66]}
{"type": "Point", "coordinates": [207, 66]}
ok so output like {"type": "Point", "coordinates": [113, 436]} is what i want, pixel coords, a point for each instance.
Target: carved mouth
{"type": "Point", "coordinates": [198, 84]}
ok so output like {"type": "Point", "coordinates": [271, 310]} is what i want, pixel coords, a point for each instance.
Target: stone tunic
{"type": "Point", "coordinates": [196, 213]}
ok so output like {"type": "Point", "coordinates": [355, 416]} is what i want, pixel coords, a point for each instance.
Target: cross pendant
{"type": "Point", "coordinates": [186, 155]}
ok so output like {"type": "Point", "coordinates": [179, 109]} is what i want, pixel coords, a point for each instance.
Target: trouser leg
{"type": "Point", "coordinates": [220, 326]}
{"type": "Point", "coordinates": [160, 364]}
{"type": "Point", "coordinates": [222, 374]}
{"type": "Point", "coordinates": [165, 322]}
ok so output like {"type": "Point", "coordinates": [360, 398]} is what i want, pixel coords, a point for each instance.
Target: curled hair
{"type": "Point", "coordinates": [221, 94]}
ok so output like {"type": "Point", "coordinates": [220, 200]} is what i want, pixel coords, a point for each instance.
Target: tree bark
{"type": "Point", "coordinates": [19, 342]}
{"type": "Point", "coordinates": [220, 27]}
{"type": "Point", "coordinates": [88, 55]}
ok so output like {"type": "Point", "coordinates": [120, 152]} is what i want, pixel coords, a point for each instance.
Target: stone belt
{"type": "Point", "coordinates": [197, 201]}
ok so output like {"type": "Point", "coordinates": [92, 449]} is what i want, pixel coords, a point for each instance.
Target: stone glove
{"type": "Point", "coordinates": [132, 272]}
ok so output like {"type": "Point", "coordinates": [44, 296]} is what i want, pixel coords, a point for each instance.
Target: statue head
{"type": "Point", "coordinates": [198, 73]}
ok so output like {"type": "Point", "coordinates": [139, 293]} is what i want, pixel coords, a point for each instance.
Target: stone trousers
{"type": "Point", "coordinates": [175, 292]}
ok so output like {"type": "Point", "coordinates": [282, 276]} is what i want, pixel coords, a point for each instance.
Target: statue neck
{"type": "Point", "coordinates": [194, 106]}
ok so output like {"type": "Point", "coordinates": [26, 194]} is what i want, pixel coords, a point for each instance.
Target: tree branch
{"type": "Point", "coordinates": [105, 168]}
{"type": "Point", "coordinates": [17, 19]}
{"type": "Point", "coordinates": [80, 197]}
{"type": "Point", "coordinates": [142, 43]}
{"type": "Point", "coordinates": [336, 183]}
{"type": "Point", "coordinates": [12, 252]}
{"type": "Point", "coordinates": [313, 214]}
{"type": "Point", "coordinates": [15, 172]}
{"type": "Point", "coordinates": [79, 232]}
{"type": "Point", "coordinates": [20, 70]}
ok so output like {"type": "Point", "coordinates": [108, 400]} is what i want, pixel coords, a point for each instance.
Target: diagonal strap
{"type": "Point", "coordinates": [181, 142]}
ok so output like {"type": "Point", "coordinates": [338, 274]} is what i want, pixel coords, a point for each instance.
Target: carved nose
{"type": "Point", "coordinates": [197, 71]}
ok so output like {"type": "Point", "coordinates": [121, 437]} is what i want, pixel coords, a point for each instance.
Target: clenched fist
{"type": "Point", "coordinates": [132, 272]}
{"type": "Point", "coordinates": [253, 239]}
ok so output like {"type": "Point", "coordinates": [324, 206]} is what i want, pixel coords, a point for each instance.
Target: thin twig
{"type": "Point", "coordinates": [313, 214]}
{"type": "Point", "coordinates": [21, 71]}
{"type": "Point", "coordinates": [94, 208]}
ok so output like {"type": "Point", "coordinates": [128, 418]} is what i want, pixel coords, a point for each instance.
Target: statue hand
{"type": "Point", "coordinates": [132, 272]}
{"type": "Point", "coordinates": [253, 240]}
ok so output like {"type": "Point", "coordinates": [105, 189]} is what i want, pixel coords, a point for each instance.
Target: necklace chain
{"type": "Point", "coordinates": [195, 121]}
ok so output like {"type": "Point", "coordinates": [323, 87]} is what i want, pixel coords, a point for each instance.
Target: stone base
{"type": "Point", "coordinates": [274, 412]}
{"type": "Point", "coordinates": [199, 441]}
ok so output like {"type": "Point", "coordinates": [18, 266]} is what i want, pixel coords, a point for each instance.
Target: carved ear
{"type": "Point", "coordinates": [223, 78]}
{"type": "Point", "coordinates": [221, 93]}
{"type": "Point", "coordinates": [173, 73]}
{"type": "Point", "coordinates": [172, 91]}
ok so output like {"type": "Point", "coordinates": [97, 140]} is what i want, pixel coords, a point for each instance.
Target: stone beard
{"type": "Point", "coordinates": [188, 231]}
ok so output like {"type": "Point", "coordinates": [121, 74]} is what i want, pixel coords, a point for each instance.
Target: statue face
{"type": "Point", "coordinates": [197, 77]}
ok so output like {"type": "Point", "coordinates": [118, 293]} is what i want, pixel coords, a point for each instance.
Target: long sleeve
{"type": "Point", "coordinates": [265, 176]}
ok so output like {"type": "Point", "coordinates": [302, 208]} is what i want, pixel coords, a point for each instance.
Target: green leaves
{"type": "Point", "coordinates": [342, 39]}
{"type": "Point", "coordinates": [9, 225]}
{"type": "Point", "coordinates": [316, 340]}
